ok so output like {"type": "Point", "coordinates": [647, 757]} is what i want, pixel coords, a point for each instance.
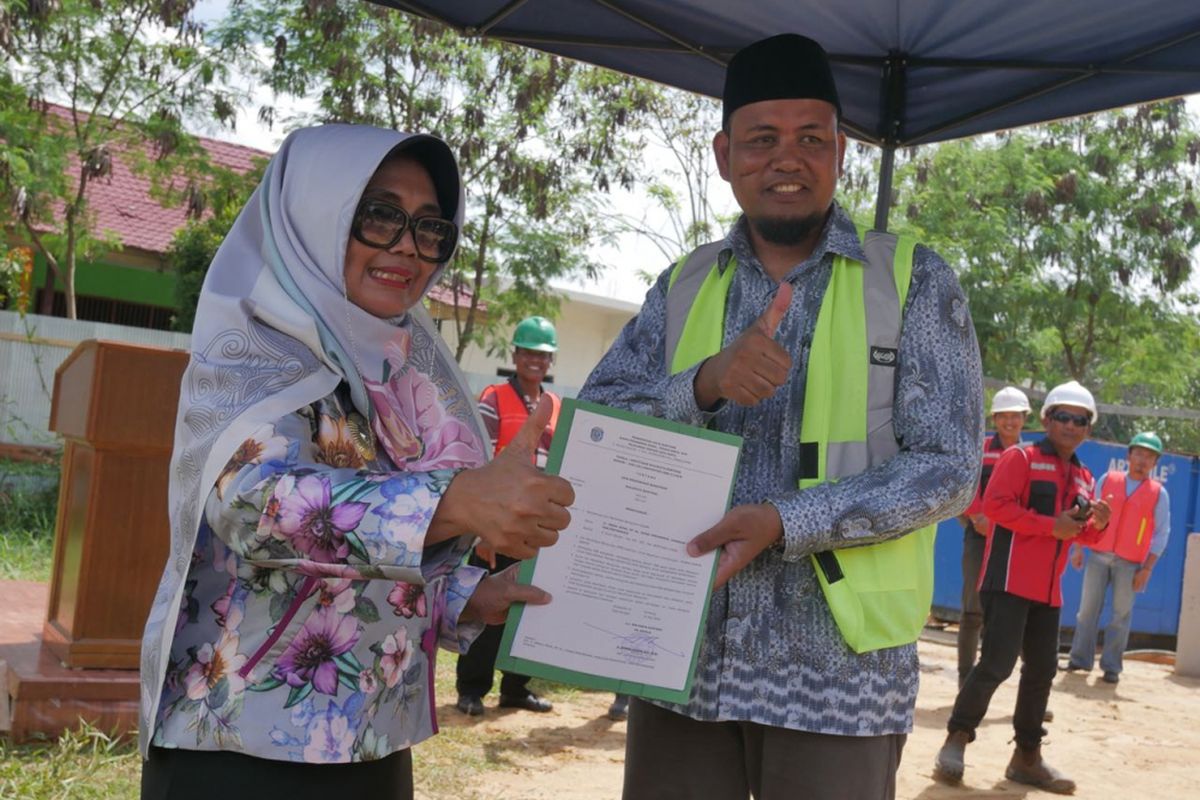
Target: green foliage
{"type": "Point", "coordinates": [537, 136]}
{"type": "Point", "coordinates": [190, 255]}
{"type": "Point", "coordinates": [13, 265]}
{"type": "Point", "coordinates": [85, 764]}
{"type": "Point", "coordinates": [28, 502]}
{"type": "Point", "coordinates": [128, 74]}
{"type": "Point", "coordinates": [858, 184]}
{"type": "Point", "coordinates": [1074, 243]}
{"type": "Point", "coordinates": [1065, 229]}
{"type": "Point", "coordinates": [194, 246]}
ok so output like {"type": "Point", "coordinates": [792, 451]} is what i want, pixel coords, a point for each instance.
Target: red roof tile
{"type": "Point", "coordinates": [122, 204]}
{"type": "Point", "coordinates": [445, 295]}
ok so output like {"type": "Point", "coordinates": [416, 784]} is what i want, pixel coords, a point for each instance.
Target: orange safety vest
{"type": "Point", "coordinates": [513, 413]}
{"type": "Point", "coordinates": [1132, 522]}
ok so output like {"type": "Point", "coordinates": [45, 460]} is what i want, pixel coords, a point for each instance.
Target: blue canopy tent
{"type": "Point", "coordinates": [909, 72]}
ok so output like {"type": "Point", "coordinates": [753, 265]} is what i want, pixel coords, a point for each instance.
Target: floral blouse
{"type": "Point", "coordinates": [312, 611]}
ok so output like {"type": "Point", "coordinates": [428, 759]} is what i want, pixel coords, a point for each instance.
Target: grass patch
{"type": "Point", "coordinates": [85, 764]}
{"type": "Point", "coordinates": [25, 555]}
{"type": "Point", "coordinates": [28, 503]}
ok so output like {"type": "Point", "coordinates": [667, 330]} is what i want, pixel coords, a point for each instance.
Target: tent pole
{"type": "Point", "coordinates": [883, 199]}
{"type": "Point", "coordinates": [894, 77]}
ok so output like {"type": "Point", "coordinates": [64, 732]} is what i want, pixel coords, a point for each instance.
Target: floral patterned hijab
{"type": "Point", "coordinates": [275, 332]}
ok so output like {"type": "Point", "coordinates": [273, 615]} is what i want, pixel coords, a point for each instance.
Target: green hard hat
{"type": "Point", "coordinates": [535, 333]}
{"type": "Point", "coordinates": [1148, 440]}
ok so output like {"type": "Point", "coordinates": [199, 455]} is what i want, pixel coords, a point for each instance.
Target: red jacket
{"type": "Point", "coordinates": [992, 451]}
{"type": "Point", "coordinates": [1030, 486]}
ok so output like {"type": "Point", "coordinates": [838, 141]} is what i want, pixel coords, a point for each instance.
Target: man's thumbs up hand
{"type": "Point", "coordinates": [768, 321]}
{"type": "Point", "coordinates": [754, 365]}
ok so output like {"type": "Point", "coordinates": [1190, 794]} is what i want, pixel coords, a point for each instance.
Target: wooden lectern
{"type": "Point", "coordinates": [114, 403]}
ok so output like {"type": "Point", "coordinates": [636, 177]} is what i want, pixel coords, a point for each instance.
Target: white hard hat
{"type": "Point", "coordinates": [1010, 398]}
{"type": "Point", "coordinates": [1070, 394]}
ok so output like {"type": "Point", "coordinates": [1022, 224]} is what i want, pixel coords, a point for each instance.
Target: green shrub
{"type": "Point", "coordinates": [28, 505]}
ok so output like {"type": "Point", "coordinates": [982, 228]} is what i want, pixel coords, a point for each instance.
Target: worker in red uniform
{"type": "Point", "coordinates": [1039, 499]}
{"type": "Point", "coordinates": [1010, 406]}
{"type": "Point", "coordinates": [504, 408]}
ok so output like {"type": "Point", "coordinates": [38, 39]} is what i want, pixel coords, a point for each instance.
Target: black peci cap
{"type": "Point", "coordinates": [787, 66]}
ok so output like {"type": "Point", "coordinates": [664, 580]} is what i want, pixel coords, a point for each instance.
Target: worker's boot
{"type": "Point", "coordinates": [1028, 767]}
{"type": "Point", "coordinates": [948, 767]}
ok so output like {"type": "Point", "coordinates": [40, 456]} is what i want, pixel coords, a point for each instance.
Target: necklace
{"type": "Point", "coordinates": [361, 435]}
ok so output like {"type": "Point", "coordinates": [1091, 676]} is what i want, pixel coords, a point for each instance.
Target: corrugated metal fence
{"type": "Point", "coordinates": [32, 348]}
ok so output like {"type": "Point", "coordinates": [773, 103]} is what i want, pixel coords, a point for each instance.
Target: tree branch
{"type": "Point", "coordinates": [51, 261]}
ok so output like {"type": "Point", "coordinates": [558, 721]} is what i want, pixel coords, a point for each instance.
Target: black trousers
{"type": "Point", "coordinates": [1012, 627]}
{"type": "Point", "coordinates": [669, 756]}
{"type": "Point", "coordinates": [971, 622]}
{"type": "Point", "coordinates": [476, 668]}
{"type": "Point", "coordinates": [173, 774]}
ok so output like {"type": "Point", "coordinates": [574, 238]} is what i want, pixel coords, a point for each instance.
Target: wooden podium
{"type": "Point", "coordinates": [114, 403]}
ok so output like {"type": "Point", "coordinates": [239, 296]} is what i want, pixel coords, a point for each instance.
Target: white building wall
{"type": "Point", "coordinates": [587, 325]}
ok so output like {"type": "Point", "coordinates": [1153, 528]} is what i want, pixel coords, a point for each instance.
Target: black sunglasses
{"type": "Point", "coordinates": [1080, 420]}
{"type": "Point", "coordinates": [378, 223]}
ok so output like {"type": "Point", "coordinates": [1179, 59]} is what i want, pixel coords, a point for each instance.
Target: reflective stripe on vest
{"type": "Point", "coordinates": [991, 455]}
{"type": "Point", "coordinates": [879, 594]}
{"type": "Point", "coordinates": [1132, 520]}
{"type": "Point", "coordinates": [513, 412]}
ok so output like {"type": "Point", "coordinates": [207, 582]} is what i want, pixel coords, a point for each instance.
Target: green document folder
{"type": "Point", "coordinates": [507, 661]}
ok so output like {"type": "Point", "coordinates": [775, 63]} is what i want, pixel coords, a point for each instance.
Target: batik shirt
{"type": "Point", "coordinates": [312, 610]}
{"type": "Point", "coordinates": [772, 653]}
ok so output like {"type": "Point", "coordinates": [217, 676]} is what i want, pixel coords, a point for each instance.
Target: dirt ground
{"type": "Point", "coordinates": [1139, 739]}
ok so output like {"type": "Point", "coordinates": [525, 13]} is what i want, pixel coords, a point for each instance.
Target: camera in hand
{"type": "Point", "coordinates": [1081, 507]}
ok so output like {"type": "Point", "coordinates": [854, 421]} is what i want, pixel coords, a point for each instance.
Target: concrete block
{"type": "Point", "coordinates": [1187, 650]}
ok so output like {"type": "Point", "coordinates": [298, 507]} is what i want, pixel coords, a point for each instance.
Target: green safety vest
{"type": "Point", "coordinates": [879, 594]}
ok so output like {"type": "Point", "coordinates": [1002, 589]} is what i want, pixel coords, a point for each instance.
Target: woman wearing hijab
{"type": "Point", "coordinates": [329, 474]}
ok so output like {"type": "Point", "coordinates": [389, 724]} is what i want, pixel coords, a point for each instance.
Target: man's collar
{"type": "Point", "coordinates": [1047, 447]}
{"type": "Point", "coordinates": [839, 236]}
{"type": "Point", "coordinates": [515, 382]}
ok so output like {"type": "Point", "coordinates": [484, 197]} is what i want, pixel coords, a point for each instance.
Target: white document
{"type": "Point", "coordinates": [629, 602]}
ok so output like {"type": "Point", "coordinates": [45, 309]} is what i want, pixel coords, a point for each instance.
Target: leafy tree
{"type": "Point", "coordinates": [14, 268]}
{"type": "Point", "coordinates": [859, 183]}
{"type": "Point", "coordinates": [1074, 244]}
{"type": "Point", "coordinates": [679, 131]}
{"type": "Point", "coordinates": [537, 136]}
{"type": "Point", "coordinates": [128, 73]}
{"type": "Point", "coordinates": [194, 246]}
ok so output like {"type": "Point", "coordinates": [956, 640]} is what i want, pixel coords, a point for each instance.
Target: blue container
{"type": "Point", "coordinates": [1156, 610]}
